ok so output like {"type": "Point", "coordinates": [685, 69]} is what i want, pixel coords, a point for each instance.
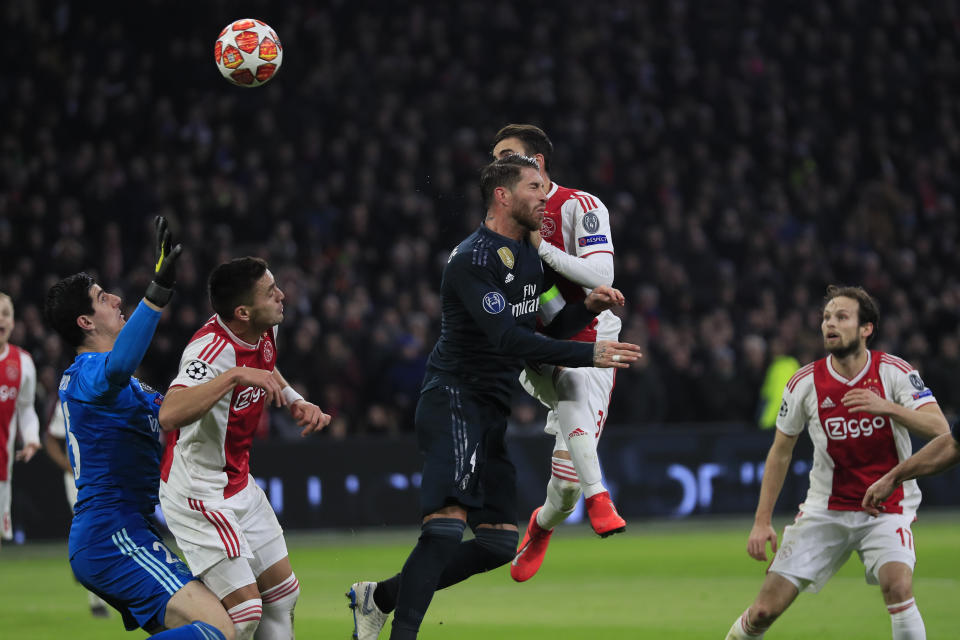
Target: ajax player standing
{"type": "Point", "coordinates": [577, 249]}
{"type": "Point", "coordinates": [221, 519]}
{"type": "Point", "coordinates": [860, 407]}
{"type": "Point", "coordinates": [18, 383]}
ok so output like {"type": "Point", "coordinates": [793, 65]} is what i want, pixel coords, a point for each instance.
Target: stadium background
{"type": "Point", "coordinates": [750, 153]}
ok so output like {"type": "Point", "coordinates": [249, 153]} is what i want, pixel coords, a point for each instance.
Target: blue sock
{"type": "Point", "coordinates": [196, 630]}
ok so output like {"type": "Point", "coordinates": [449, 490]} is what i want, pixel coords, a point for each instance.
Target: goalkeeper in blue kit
{"type": "Point", "coordinates": [114, 449]}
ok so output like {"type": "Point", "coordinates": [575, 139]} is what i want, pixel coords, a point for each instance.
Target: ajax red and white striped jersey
{"type": "Point", "coordinates": [579, 224]}
{"type": "Point", "coordinates": [852, 450]}
{"type": "Point", "coordinates": [210, 457]}
{"type": "Point", "coordinates": [18, 385]}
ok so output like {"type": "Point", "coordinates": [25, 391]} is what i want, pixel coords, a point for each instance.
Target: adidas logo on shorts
{"type": "Point", "coordinates": [577, 432]}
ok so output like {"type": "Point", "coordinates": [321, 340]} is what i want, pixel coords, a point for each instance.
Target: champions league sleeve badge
{"type": "Point", "coordinates": [494, 302]}
{"type": "Point", "coordinates": [196, 369]}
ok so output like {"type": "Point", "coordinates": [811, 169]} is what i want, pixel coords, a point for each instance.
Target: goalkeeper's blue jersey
{"type": "Point", "coordinates": [112, 432]}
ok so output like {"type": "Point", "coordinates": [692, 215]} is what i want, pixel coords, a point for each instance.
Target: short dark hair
{"type": "Point", "coordinates": [66, 301]}
{"type": "Point", "coordinates": [534, 141]}
{"type": "Point", "coordinates": [231, 284]}
{"type": "Point", "coordinates": [503, 172]}
{"type": "Point", "coordinates": [867, 311]}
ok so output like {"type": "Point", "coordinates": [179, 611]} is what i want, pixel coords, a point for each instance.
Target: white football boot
{"type": "Point", "coordinates": [368, 620]}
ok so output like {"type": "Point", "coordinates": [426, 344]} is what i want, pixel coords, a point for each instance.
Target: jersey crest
{"type": "Point", "coordinates": [506, 256]}
{"type": "Point", "coordinates": [548, 227]}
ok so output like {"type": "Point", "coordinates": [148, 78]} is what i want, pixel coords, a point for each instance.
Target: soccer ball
{"type": "Point", "coordinates": [248, 52]}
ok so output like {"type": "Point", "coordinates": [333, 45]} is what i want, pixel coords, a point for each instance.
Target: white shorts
{"type": "Point", "coordinates": [592, 387]}
{"type": "Point", "coordinates": [6, 526]}
{"type": "Point", "coordinates": [207, 531]}
{"type": "Point", "coordinates": [819, 542]}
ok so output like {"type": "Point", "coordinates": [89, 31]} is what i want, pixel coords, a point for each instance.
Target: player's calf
{"type": "Point", "coordinates": [497, 546]}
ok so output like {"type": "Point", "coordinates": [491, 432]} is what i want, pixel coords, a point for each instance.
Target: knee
{"type": "Point", "coordinates": [500, 545]}
{"type": "Point", "coordinates": [898, 590]}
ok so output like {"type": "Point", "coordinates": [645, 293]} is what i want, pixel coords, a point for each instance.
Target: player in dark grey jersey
{"type": "Point", "coordinates": [490, 297]}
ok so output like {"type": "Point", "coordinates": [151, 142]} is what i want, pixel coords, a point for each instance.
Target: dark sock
{"type": "Point", "coordinates": [385, 595]}
{"type": "Point", "coordinates": [439, 539]}
{"type": "Point", "coordinates": [489, 550]}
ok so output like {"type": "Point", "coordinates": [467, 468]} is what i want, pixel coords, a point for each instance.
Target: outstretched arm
{"type": "Point", "coordinates": [135, 337]}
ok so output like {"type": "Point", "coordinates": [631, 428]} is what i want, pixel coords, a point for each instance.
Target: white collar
{"type": "Point", "coordinates": [234, 337]}
{"type": "Point", "coordinates": [855, 379]}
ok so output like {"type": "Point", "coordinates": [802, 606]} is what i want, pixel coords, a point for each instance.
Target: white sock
{"type": "Point", "coordinates": [906, 621]}
{"type": "Point", "coordinates": [739, 629]}
{"type": "Point", "coordinates": [579, 430]}
{"type": "Point", "coordinates": [246, 617]}
{"type": "Point", "coordinates": [278, 604]}
{"type": "Point", "coordinates": [563, 491]}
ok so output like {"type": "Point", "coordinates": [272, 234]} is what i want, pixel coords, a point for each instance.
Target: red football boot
{"type": "Point", "coordinates": [603, 515]}
{"type": "Point", "coordinates": [531, 551]}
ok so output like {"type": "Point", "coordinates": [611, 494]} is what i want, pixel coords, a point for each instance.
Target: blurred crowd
{"type": "Point", "coordinates": [749, 152]}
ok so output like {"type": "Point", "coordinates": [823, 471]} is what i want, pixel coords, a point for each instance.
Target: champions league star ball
{"type": "Point", "coordinates": [248, 52]}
